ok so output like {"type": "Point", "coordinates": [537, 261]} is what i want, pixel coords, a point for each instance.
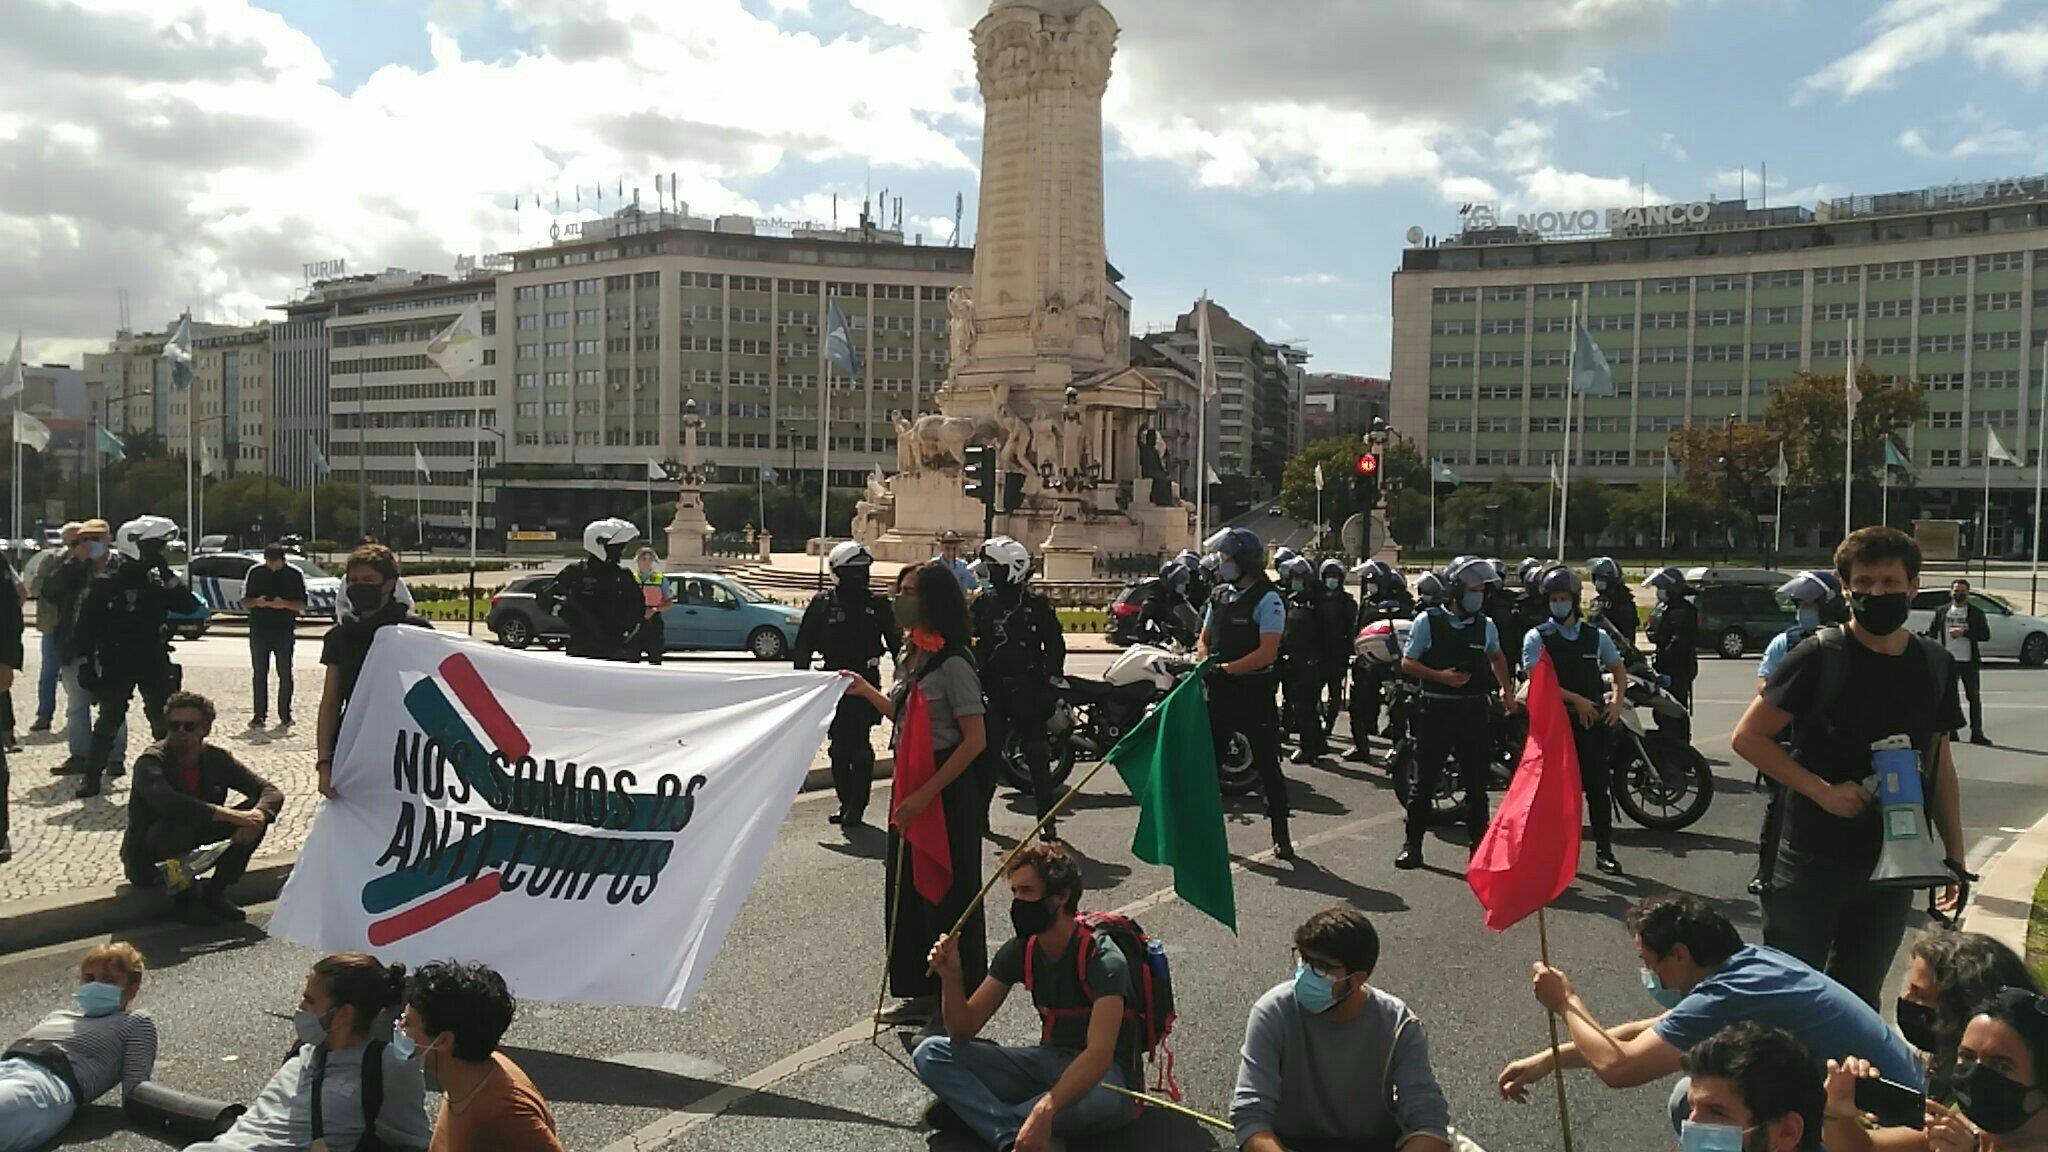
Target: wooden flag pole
{"type": "Point", "coordinates": [1151, 1101]}
{"type": "Point", "coordinates": [1003, 868]}
{"type": "Point", "coordinates": [1564, 1112]}
{"type": "Point", "coordinates": [889, 942]}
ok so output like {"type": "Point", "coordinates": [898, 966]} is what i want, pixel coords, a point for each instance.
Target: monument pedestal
{"type": "Point", "coordinates": [686, 533]}
{"type": "Point", "coordinates": [1069, 557]}
{"type": "Point", "coordinates": [1389, 549]}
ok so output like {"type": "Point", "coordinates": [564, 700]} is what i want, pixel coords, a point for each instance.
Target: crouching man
{"type": "Point", "coordinates": [180, 803]}
{"type": "Point", "coordinates": [1021, 1097]}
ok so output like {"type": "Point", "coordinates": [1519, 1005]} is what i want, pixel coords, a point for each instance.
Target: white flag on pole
{"type": "Point", "coordinates": [419, 463]}
{"type": "Point", "coordinates": [1780, 473]}
{"type": "Point", "coordinates": [13, 382]}
{"type": "Point", "coordinates": [30, 432]}
{"type": "Point", "coordinates": [656, 471]}
{"type": "Point", "coordinates": [459, 349]}
{"type": "Point", "coordinates": [1319, 476]}
{"type": "Point", "coordinates": [612, 884]}
{"type": "Point", "coordinates": [1995, 450]}
{"type": "Point", "coordinates": [209, 459]}
{"type": "Point", "coordinates": [1213, 477]}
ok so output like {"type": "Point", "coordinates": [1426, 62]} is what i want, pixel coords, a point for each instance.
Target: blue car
{"type": "Point", "coordinates": [715, 613]}
{"type": "Point", "coordinates": [191, 625]}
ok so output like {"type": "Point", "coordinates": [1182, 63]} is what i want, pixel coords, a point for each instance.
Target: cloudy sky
{"type": "Point", "coordinates": [198, 152]}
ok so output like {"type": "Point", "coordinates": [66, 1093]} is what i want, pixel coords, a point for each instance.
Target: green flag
{"type": "Point", "coordinates": [1169, 763]}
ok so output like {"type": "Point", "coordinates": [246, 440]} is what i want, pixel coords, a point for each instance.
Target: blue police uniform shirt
{"type": "Point", "coordinates": [1418, 634]}
{"type": "Point", "coordinates": [1532, 644]}
{"type": "Point", "coordinates": [963, 572]}
{"type": "Point", "coordinates": [1764, 984]}
{"type": "Point", "coordinates": [1269, 613]}
{"type": "Point", "coordinates": [1775, 651]}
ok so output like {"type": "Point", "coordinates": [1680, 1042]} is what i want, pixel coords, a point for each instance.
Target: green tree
{"type": "Point", "coordinates": [1731, 467]}
{"type": "Point", "coordinates": [1591, 507]}
{"type": "Point", "coordinates": [1808, 414]}
{"type": "Point", "coordinates": [1344, 491]}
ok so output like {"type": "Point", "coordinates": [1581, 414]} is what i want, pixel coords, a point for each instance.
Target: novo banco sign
{"type": "Point", "coordinates": [1580, 221]}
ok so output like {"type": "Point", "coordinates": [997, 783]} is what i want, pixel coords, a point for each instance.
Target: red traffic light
{"type": "Point", "coordinates": [1368, 464]}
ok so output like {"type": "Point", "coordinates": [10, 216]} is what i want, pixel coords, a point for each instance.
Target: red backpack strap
{"type": "Point", "coordinates": [1030, 967]}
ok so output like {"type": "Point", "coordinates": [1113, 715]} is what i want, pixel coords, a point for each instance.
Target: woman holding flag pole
{"type": "Point", "coordinates": [936, 810]}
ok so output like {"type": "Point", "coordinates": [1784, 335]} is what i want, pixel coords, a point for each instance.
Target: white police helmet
{"type": "Point", "coordinates": [1009, 557]}
{"type": "Point", "coordinates": [611, 532]}
{"type": "Point", "coordinates": [128, 541]}
{"type": "Point", "coordinates": [851, 554]}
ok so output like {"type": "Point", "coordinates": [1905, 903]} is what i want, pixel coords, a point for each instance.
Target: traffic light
{"type": "Point", "coordinates": [1368, 464]}
{"type": "Point", "coordinates": [1013, 492]}
{"type": "Point", "coordinates": [979, 475]}
{"type": "Point", "coordinates": [1368, 478]}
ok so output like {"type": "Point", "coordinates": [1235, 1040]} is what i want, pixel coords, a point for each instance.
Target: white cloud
{"type": "Point", "coordinates": [1914, 142]}
{"type": "Point", "coordinates": [1550, 187]}
{"type": "Point", "coordinates": [1905, 33]}
{"type": "Point", "coordinates": [1522, 145]}
{"type": "Point", "coordinates": [1466, 189]}
{"type": "Point", "coordinates": [1669, 143]}
{"type": "Point", "coordinates": [1980, 137]}
{"type": "Point", "coordinates": [1992, 142]}
{"type": "Point", "coordinates": [1575, 88]}
{"type": "Point", "coordinates": [2021, 52]}
{"type": "Point", "coordinates": [1310, 280]}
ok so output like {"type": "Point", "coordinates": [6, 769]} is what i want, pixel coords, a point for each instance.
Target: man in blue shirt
{"type": "Point", "coordinates": [1242, 631]}
{"type": "Point", "coordinates": [1696, 967]}
{"type": "Point", "coordinates": [949, 555]}
{"type": "Point", "coordinates": [1581, 656]}
{"type": "Point", "coordinates": [1816, 598]}
{"type": "Point", "coordinates": [1455, 652]}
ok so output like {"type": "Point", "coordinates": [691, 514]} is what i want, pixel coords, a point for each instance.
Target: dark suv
{"type": "Point", "coordinates": [517, 618]}
{"type": "Point", "coordinates": [1740, 618]}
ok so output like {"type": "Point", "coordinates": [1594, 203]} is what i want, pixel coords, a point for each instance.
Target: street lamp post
{"type": "Point", "coordinates": [476, 524]}
{"type": "Point", "coordinates": [106, 418]}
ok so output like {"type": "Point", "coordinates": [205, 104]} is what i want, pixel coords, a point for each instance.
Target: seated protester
{"type": "Point", "coordinates": [1949, 976]}
{"type": "Point", "coordinates": [180, 803]}
{"type": "Point", "coordinates": [1754, 1087]}
{"type": "Point", "coordinates": [76, 1055]}
{"type": "Point", "coordinates": [1331, 1063]}
{"type": "Point", "coordinates": [1019, 1098]}
{"type": "Point", "coordinates": [369, 602]}
{"type": "Point", "coordinates": [1696, 966]}
{"type": "Point", "coordinates": [455, 1014]}
{"type": "Point", "coordinates": [324, 1096]}
{"type": "Point", "coordinates": [2003, 1106]}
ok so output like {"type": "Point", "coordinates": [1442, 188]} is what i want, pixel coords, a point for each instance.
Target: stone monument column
{"type": "Point", "coordinates": [1038, 312]}
{"type": "Point", "coordinates": [687, 531]}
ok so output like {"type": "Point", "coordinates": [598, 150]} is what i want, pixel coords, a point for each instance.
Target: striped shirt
{"type": "Point", "coordinates": [118, 1048]}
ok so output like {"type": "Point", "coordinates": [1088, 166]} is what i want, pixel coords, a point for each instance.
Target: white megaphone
{"type": "Point", "coordinates": [1907, 857]}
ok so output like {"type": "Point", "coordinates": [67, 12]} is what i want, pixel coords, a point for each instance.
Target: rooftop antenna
{"type": "Point", "coordinates": [899, 213]}
{"type": "Point", "coordinates": [1764, 184]}
{"type": "Point", "coordinates": [121, 295]}
{"type": "Point", "coordinates": [959, 206]}
{"type": "Point", "coordinates": [1742, 184]}
{"type": "Point", "coordinates": [835, 211]}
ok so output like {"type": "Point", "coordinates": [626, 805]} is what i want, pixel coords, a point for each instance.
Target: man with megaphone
{"type": "Point", "coordinates": [1871, 706]}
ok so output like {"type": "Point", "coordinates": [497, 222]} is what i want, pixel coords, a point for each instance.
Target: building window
{"type": "Point", "coordinates": [1788, 315]}
{"type": "Point", "coordinates": [1554, 358]}
{"type": "Point", "coordinates": [1720, 317]}
{"type": "Point", "coordinates": [529, 380]}
{"type": "Point", "coordinates": [529, 322]}
{"type": "Point", "coordinates": [1502, 327]}
{"type": "Point", "coordinates": [1888, 346]}
{"type": "Point", "coordinates": [2001, 262]}
{"type": "Point", "coordinates": [1945, 458]}
{"type": "Point", "coordinates": [1614, 288]}
{"type": "Point", "coordinates": [1944, 343]}
{"type": "Point", "coordinates": [529, 351]}
{"type": "Point", "coordinates": [527, 292]}
{"type": "Point", "coordinates": [1608, 458]}
{"type": "Point", "coordinates": [2002, 378]}
{"type": "Point", "coordinates": [1450, 424]}
{"type": "Point", "coordinates": [1936, 381]}
{"type": "Point", "coordinates": [1500, 456]}
{"type": "Point", "coordinates": [586, 287]}
{"type": "Point", "coordinates": [1944, 419]}
{"type": "Point", "coordinates": [1507, 294]}
{"type": "Point", "coordinates": [1670, 286]}
{"type": "Point", "coordinates": [1997, 301]}
{"type": "Point", "coordinates": [1659, 423]}
{"type": "Point", "coordinates": [1996, 341]}
{"type": "Point", "coordinates": [1501, 360]}
{"type": "Point", "coordinates": [1450, 392]}
{"type": "Point", "coordinates": [1452, 328]}
{"type": "Point", "coordinates": [1623, 323]}
{"type": "Point", "coordinates": [1663, 320]}
{"type": "Point", "coordinates": [1836, 312]}
{"type": "Point", "coordinates": [1539, 425]}
{"type": "Point", "coordinates": [1718, 353]}
{"type": "Point", "coordinates": [1929, 306]}
{"type": "Point", "coordinates": [1556, 291]}
{"type": "Point", "coordinates": [1778, 279]}
{"type": "Point", "coordinates": [586, 316]}
{"type": "Point", "coordinates": [1846, 274]}
{"type": "Point", "coordinates": [1500, 424]}
{"type": "Point", "coordinates": [1451, 360]}
{"type": "Point", "coordinates": [1897, 270]}
{"type": "Point", "coordinates": [557, 290]}
{"type": "Point", "coordinates": [1721, 283]}
{"type": "Point", "coordinates": [1500, 391]}
{"type": "Point", "coordinates": [1455, 295]}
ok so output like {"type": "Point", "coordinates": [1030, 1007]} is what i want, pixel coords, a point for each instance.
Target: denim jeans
{"type": "Point", "coordinates": [34, 1105]}
{"type": "Point", "coordinates": [993, 1088]}
{"type": "Point", "coordinates": [78, 719]}
{"type": "Point", "coordinates": [46, 679]}
{"type": "Point", "coordinates": [265, 643]}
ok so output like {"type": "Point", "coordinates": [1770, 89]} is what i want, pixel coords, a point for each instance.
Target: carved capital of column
{"type": "Point", "coordinates": [1019, 49]}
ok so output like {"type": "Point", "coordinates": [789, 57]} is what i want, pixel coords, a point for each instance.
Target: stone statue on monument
{"type": "Point", "coordinates": [1152, 466]}
{"type": "Point", "coordinates": [960, 323]}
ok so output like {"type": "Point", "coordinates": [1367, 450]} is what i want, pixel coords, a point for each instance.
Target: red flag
{"type": "Point", "coordinates": [931, 861]}
{"type": "Point", "coordinates": [1531, 852]}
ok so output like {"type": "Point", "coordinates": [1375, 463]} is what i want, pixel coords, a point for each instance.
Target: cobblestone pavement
{"type": "Point", "coordinates": [62, 844]}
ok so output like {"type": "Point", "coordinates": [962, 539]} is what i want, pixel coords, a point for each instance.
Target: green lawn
{"type": "Point", "coordinates": [2037, 932]}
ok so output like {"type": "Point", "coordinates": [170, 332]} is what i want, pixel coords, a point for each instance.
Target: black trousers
{"type": "Point", "coordinates": [1020, 708]}
{"type": "Point", "coordinates": [266, 644]}
{"type": "Point", "coordinates": [1458, 730]}
{"type": "Point", "coordinates": [851, 753]}
{"type": "Point", "coordinates": [167, 838]}
{"type": "Point", "coordinates": [1365, 702]}
{"type": "Point", "coordinates": [1774, 826]}
{"type": "Point", "coordinates": [155, 682]}
{"type": "Point", "coordinates": [1971, 674]}
{"type": "Point", "coordinates": [1596, 754]}
{"type": "Point", "coordinates": [650, 641]}
{"type": "Point", "coordinates": [915, 923]}
{"type": "Point", "coordinates": [1842, 926]}
{"type": "Point", "coordinates": [1336, 672]}
{"type": "Point", "coordinates": [1302, 688]}
{"type": "Point", "coordinates": [1683, 670]}
{"type": "Point", "coordinates": [1245, 704]}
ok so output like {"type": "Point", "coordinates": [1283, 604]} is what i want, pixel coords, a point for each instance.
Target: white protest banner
{"type": "Point", "coordinates": [589, 829]}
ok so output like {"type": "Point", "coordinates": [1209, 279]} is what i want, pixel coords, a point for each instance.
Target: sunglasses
{"type": "Point", "coordinates": [185, 725]}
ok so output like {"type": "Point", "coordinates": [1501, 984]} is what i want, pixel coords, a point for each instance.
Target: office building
{"type": "Point", "coordinates": [1703, 309]}
{"type": "Point", "coordinates": [1338, 404]}
{"type": "Point", "coordinates": [298, 373]}
{"type": "Point", "coordinates": [1255, 421]}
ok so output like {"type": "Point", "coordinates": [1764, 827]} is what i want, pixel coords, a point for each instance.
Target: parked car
{"type": "Point", "coordinates": [712, 613]}
{"type": "Point", "coordinates": [191, 625]}
{"type": "Point", "coordinates": [2014, 634]}
{"type": "Point", "coordinates": [1765, 577]}
{"type": "Point", "coordinates": [218, 579]}
{"type": "Point", "coordinates": [1736, 618]}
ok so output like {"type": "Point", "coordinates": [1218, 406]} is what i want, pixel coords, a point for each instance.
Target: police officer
{"type": "Point", "coordinates": [850, 625]}
{"type": "Point", "coordinates": [1242, 630]}
{"type": "Point", "coordinates": [1302, 647]}
{"type": "Point", "coordinates": [1382, 595]}
{"type": "Point", "coordinates": [1617, 603]}
{"type": "Point", "coordinates": [1674, 632]}
{"type": "Point", "coordinates": [1165, 615]}
{"type": "Point", "coordinates": [123, 632]}
{"type": "Point", "coordinates": [1816, 599]}
{"type": "Point", "coordinates": [650, 640]}
{"type": "Point", "coordinates": [1019, 647]}
{"type": "Point", "coordinates": [1338, 625]}
{"type": "Point", "coordinates": [1526, 611]}
{"type": "Point", "coordinates": [1581, 655]}
{"type": "Point", "coordinates": [599, 600]}
{"type": "Point", "coordinates": [1202, 585]}
{"type": "Point", "coordinates": [1455, 652]}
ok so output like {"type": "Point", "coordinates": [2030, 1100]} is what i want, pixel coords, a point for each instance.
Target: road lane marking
{"type": "Point", "coordinates": [712, 1105]}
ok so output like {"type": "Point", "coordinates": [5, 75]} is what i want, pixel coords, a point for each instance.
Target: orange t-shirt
{"type": "Point", "coordinates": [506, 1115]}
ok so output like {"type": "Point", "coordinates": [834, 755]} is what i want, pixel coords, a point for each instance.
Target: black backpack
{"type": "Point", "coordinates": [373, 1096]}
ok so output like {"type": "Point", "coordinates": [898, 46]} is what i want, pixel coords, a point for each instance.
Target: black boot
{"type": "Point", "coordinates": [1283, 847]}
{"type": "Point", "coordinates": [88, 787]}
{"type": "Point", "coordinates": [1410, 857]}
{"type": "Point", "coordinates": [214, 897]}
{"type": "Point", "coordinates": [1603, 859]}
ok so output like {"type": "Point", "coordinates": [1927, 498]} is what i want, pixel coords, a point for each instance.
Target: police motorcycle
{"type": "Point", "coordinates": [1660, 781]}
{"type": "Point", "coordinates": [1090, 716]}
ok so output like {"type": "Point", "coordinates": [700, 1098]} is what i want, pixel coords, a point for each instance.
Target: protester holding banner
{"type": "Point", "coordinates": [369, 586]}
{"type": "Point", "coordinates": [455, 1014]}
{"type": "Point", "coordinates": [179, 803]}
{"type": "Point", "coordinates": [345, 1078]}
{"type": "Point", "coordinates": [938, 814]}
{"type": "Point", "coordinates": [77, 1054]}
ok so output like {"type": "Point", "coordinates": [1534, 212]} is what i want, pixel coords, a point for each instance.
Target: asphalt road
{"type": "Point", "coordinates": [785, 1005]}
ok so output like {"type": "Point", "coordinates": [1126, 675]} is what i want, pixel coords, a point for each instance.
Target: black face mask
{"type": "Point", "coordinates": [365, 598]}
{"type": "Point", "coordinates": [1916, 1024]}
{"type": "Point", "coordinates": [1030, 917]}
{"type": "Point", "coordinates": [1959, 597]}
{"type": "Point", "coordinates": [1880, 615]}
{"type": "Point", "coordinates": [1993, 1102]}
{"type": "Point", "coordinates": [853, 582]}
{"type": "Point", "coordinates": [613, 553]}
